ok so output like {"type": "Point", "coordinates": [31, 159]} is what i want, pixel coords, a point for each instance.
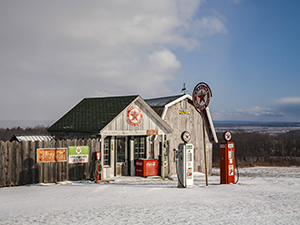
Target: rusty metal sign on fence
{"type": "Point", "coordinates": [51, 155]}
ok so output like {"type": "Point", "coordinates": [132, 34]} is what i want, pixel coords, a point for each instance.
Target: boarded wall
{"type": "Point", "coordinates": [18, 164]}
{"type": "Point", "coordinates": [191, 122]}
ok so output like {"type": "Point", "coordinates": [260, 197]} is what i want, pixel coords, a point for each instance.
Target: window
{"type": "Point", "coordinates": [184, 103]}
{"type": "Point", "coordinates": [140, 148]}
{"type": "Point", "coordinates": [120, 149]}
{"type": "Point", "coordinates": [106, 152]}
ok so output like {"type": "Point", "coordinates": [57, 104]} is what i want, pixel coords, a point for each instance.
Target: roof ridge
{"type": "Point", "coordinates": [32, 134]}
{"type": "Point", "coordinates": [171, 96]}
{"type": "Point", "coordinates": [123, 96]}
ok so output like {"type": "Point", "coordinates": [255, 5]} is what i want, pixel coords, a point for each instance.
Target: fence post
{"type": "Point", "coordinates": [2, 164]}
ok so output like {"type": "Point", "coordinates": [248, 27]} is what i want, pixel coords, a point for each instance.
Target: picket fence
{"type": "Point", "coordinates": [18, 163]}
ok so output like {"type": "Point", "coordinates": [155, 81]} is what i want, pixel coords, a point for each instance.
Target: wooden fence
{"type": "Point", "coordinates": [18, 163]}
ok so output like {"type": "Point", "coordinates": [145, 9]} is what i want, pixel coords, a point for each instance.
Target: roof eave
{"type": "Point", "coordinates": [173, 103]}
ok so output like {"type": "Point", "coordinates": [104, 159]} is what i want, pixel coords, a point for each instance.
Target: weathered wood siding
{"type": "Point", "coordinates": [192, 123]}
{"type": "Point", "coordinates": [120, 126]}
{"type": "Point", "coordinates": [18, 163]}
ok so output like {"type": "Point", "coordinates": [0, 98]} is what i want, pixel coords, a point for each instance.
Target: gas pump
{"type": "Point", "coordinates": [185, 163]}
{"type": "Point", "coordinates": [98, 166]}
{"type": "Point", "coordinates": [227, 160]}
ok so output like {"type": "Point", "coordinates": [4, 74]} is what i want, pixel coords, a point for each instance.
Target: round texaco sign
{"type": "Point", "coordinates": [227, 136]}
{"type": "Point", "coordinates": [201, 96]}
{"type": "Point", "coordinates": [186, 136]}
{"type": "Point", "coordinates": [134, 115]}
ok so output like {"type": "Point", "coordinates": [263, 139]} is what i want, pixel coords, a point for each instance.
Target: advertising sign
{"type": "Point", "coordinates": [152, 132]}
{"type": "Point", "coordinates": [78, 154]}
{"type": "Point", "coordinates": [51, 155]}
{"type": "Point", "coordinates": [189, 164]}
{"type": "Point", "coordinates": [186, 136]}
{"type": "Point", "coordinates": [184, 112]}
{"type": "Point", "coordinates": [230, 170]}
{"type": "Point", "coordinates": [201, 96]}
{"type": "Point", "coordinates": [134, 115]}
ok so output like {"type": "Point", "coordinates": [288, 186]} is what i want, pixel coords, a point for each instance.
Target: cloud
{"type": "Point", "coordinates": [290, 101]}
{"type": "Point", "coordinates": [54, 53]}
{"type": "Point", "coordinates": [257, 112]}
{"type": "Point", "coordinates": [290, 106]}
{"type": "Point", "coordinates": [163, 60]}
{"type": "Point", "coordinates": [285, 109]}
{"type": "Point", "coordinates": [254, 113]}
{"type": "Point", "coordinates": [209, 26]}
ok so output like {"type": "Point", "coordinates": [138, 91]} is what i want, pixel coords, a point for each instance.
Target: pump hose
{"type": "Point", "coordinates": [237, 169]}
{"type": "Point", "coordinates": [178, 174]}
{"type": "Point", "coordinates": [98, 172]}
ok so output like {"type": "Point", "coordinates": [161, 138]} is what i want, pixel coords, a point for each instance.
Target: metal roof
{"type": "Point", "coordinates": [161, 102]}
{"type": "Point", "coordinates": [91, 115]}
{"type": "Point", "coordinates": [31, 137]}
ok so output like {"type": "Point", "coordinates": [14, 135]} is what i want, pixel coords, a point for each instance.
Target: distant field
{"type": "Point", "coordinates": [271, 128]}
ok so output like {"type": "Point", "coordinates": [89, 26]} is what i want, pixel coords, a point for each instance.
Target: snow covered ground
{"type": "Point", "coordinates": [264, 195]}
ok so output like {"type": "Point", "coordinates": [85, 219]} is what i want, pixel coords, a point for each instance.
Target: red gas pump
{"type": "Point", "coordinates": [227, 160]}
{"type": "Point", "coordinates": [98, 166]}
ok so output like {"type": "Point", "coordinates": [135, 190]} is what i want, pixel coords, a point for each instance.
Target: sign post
{"type": "Point", "coordinates": [201, 98]}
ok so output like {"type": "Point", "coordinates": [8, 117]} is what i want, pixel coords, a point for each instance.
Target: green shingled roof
{"type": "Point", "coordinates": [91, 115]}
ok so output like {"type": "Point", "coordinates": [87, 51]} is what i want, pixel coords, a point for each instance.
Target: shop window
{"type": "Point", "coordinates": [140, 148]}
{"type": "Point", "coordinates": [106, 152]}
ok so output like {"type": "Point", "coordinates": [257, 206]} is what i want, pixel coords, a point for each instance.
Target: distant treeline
{"type": "Point", "coordinates": [7, 133]}
{"type": "Point", "coordinates": [253, 148]}
{"type": "Point", "coordinates": [259, 124]}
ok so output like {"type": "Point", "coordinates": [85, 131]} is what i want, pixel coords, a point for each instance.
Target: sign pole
{"type": "Point", "coordinates": [201, 99]}
{"type": "Point", "coordinates": [205, 157]}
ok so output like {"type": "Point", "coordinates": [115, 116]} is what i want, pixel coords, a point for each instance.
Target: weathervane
{"type": "Point", "coordinates": [184, 90]}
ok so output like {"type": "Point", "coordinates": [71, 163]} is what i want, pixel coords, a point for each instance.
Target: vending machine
{"type": "Point", "coordinates": [185, 165]}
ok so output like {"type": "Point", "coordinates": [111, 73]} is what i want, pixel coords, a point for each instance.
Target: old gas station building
{"type": "Point", "coordinates": [132, 128]}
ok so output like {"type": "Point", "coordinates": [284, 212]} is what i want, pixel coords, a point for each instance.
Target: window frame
{"type": "Point", "coordinates": [140, 143]}
{"type": "Point", "coordinates": [184, 103]}
{"type": "Point", "coordinates": [107, 152]}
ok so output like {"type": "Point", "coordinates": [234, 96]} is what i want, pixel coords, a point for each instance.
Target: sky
{"type": "Point", "coordinates": [55, 53]}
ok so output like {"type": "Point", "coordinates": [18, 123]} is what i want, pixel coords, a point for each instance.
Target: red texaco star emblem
{"type": "Point", "coordinates": [134, 115]}
{"type": "Point", "coordinates": [201, 97]}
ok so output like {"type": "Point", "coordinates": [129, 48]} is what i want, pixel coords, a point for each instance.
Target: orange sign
{"type": "Point", "coordinates": [51, 155]}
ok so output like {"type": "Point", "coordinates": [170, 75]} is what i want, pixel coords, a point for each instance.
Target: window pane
{"type": "Point", "coordinates": [106, 152]}
{"type": "Point", "coordinates": [184, 104]}
{"type": "Point", "coordinates": [121, 150]}
{"type": "Point", "coordinates": [136, 148]}
{"type": "Point", "coordinates": [139, 148]}
{"type": "Point", "coordinates": [142, 148]}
